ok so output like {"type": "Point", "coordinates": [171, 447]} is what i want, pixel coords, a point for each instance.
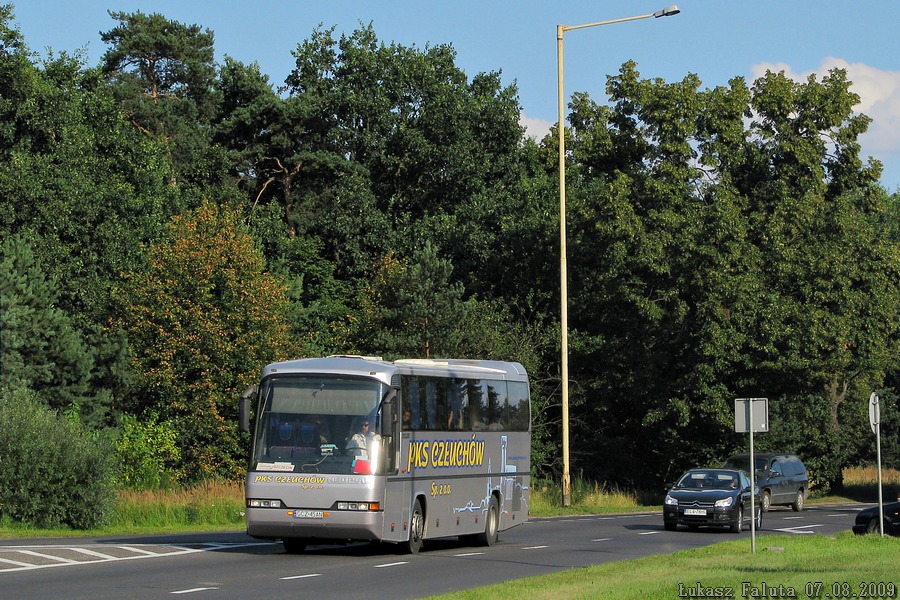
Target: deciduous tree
{"type": "Point", "coordinates": [725, 243]}
{"type": "Point", "coordinates": [202, 319]}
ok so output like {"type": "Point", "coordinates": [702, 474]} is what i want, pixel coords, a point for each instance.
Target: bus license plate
{"type": "Point", "coordinates": [699, 512]}
{"type": "Point", "coordinates": [309, 514]}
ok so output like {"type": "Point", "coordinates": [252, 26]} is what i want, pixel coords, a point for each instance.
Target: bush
{"type": "Point", "coordinates": [53, 472]}
{"type": "Point", "coordinates": [147, 454]}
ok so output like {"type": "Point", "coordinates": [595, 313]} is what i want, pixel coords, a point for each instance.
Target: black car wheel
{"type": "Point", "coordinates": [798, 503]}
{"type": "Point", "coordinates": [765, 499]}
{"type": "Point", "coordinates": [872, 525]}
{"type": "Point", "coordinates": [759, 513]}
{"type": "Point", "coordinates": [738, 525]}
{"type": "Point", "coordinates": [671, 525]}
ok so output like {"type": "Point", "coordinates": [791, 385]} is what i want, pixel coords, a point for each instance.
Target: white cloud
{"type": "Point", "coordinates": [534, 128]}
{"type": "Point", "coordinates": [879, 93]}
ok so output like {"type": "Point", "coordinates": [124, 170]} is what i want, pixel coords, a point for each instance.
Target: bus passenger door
{"type": "Point", "coordinates": [397, 506]}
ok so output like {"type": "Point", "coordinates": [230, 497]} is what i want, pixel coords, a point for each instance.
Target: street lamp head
{"type": "Point", "coordinates": [667, 11]}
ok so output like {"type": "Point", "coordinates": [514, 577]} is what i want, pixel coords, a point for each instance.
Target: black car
{"type": "Point", "coordinates": [718, 497]}
{"type": "Point", "coordinates": [782, 478]}
{"type": "Point", "coordinates": [867, 520]}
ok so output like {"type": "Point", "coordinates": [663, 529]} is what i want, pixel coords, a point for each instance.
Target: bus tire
{"type": "Point", "coordinates": [492, 525]}
{"type": "Point", "coordinates": [416, 529]}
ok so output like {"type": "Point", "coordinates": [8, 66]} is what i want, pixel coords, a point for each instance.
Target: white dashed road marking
{"type": "Point", "coordinates": [25, 558]}
{"type": "Point", "coordinates": [394, 564]}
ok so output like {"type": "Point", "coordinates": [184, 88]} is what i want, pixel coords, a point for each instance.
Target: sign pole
{"type": "Point", "coordinates": [880, 499]}
{"type": "Point", "coordinates": [746, 422]}
{"type": "Point", "coordinates": [752, 484]}
{"type": "Point", "coordinates": [875, 421]}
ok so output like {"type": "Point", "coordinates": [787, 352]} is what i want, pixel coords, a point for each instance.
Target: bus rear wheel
{"type": "Point", "coordinates": [416, 529]}
{"type": "Point", "coordinates": [492, 525]}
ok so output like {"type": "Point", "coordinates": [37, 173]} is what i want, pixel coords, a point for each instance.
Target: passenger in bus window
{"type": "Point", "coordinates": [455, 419]}
{"type": "Point", "coordinates": [322, 428]}
{"type": "Point", "coordinates": [431, 404]}
{"type": "Point", "coordinates": [358, 442]}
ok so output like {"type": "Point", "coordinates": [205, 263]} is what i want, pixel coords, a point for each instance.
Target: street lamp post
{"type": "Point", "coordinates": [563, 276]}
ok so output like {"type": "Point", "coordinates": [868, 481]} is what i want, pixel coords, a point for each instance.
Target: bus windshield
{"type": "Point", "coordinates": [317, 424]}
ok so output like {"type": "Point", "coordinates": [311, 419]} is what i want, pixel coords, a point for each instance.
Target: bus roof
{"type": "Point", "coordinates": [456, 367]}
{"type": "Point", "coordinates": [368, 366]}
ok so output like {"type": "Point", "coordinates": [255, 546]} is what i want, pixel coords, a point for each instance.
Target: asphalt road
{"type": "Point", "coordinates": [232, 565]}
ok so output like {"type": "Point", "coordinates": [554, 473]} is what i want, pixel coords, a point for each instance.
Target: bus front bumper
{"type": "Point", "coordinates": [277, 523]}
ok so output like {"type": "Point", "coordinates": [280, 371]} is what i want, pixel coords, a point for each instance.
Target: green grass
{"type": "Point", "coordinates": [209, 507]}
{"type": "Point", "coordinates": [797, 562]}
{"type": "Point", "coordinates": [586, 498]}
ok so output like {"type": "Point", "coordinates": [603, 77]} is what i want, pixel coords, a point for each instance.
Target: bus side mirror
{"type": "Point", "coordinates": [388, 414]}
{"type": "Point", "coordinates": [244, 408]}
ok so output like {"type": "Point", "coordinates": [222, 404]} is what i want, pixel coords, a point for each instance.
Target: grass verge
{"type": "Point", "coordinates": [586, 497]}
{"type": "Point", "coordinates": [208, 507]}
{"type": "Point", "coordinates": [785, 566]}
{"type": "Point", "coordinates": [861, 483]}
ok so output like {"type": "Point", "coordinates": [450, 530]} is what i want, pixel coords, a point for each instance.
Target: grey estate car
{"type": "Point", "coordinates": [782, 478]}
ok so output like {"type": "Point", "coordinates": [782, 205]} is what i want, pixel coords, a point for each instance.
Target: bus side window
{"type": "Point", "coordinates": [456, 399]}
{"type": "Point", "coordinates": [495, 402]}
{"type": "Point", "coordinates": [519, 417]}
{"type": "Point", "coordinates": [475, 409]}
{"type": "Point", "coordinates": [412, 404]}
{"type": "Point", "coordinates": [431, 404]}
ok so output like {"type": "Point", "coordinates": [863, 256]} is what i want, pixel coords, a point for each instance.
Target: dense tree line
{"type": "Point", "coordinates": [170, 224]}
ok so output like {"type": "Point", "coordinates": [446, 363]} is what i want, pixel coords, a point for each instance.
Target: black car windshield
{"type": "Point", "coordinates": [709, 479]}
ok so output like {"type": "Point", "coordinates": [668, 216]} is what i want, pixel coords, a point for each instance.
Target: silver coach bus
{"type": "Point", "coordinates": [352, 448]}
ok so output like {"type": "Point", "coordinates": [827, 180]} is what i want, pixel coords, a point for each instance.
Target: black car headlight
{"type": "Point", "coordinates": [725, 502]}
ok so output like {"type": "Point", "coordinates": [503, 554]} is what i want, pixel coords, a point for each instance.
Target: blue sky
{"type": "Point", "coordinates": [716, 39]}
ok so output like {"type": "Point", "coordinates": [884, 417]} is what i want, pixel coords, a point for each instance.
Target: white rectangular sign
{"type": "Point", "coordinates": [742, 414]}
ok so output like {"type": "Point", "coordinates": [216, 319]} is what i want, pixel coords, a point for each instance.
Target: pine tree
{"type": "Point", "coordinates": [39, 348]}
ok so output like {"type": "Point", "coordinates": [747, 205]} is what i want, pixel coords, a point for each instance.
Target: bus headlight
{"type": "Point", "coordinates": [360, 506]}
{"type": "Point", "coordinates": [263, 503]}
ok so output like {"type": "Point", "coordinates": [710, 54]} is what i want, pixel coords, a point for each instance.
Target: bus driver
{"type": "Point", "coordinates": [358, 443]}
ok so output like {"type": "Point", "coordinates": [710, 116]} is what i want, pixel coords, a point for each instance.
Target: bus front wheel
{"type": "Point", "coordinates": [416, 529]}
